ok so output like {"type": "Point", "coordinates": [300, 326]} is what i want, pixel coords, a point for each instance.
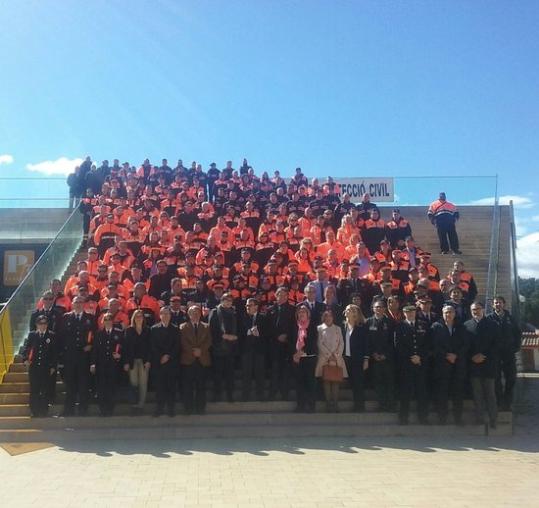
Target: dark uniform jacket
{"type": "Point", "coordinates": [412, 340]}
{"type": "Point", "coordinates": [41, 350]}
{"type": "Point", "coordinates": [484, 337]}
{"type": "Point", "coordinates": [105, 344]}
{"type": "Point", "coordinates": [380, 336]}
{"type": "Point", "coordinates": [76, 334]}
{"type": "Point", "coordinates": [444, 342]}
{"type": "Point", "coordinates": [54, 316]}
{"type": "Point", "coordinates": [164, 340]}
{"type": "Point", "coordinates": [510, 333]}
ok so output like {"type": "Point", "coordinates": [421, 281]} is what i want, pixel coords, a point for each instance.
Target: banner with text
{"type": "Point", "coordinates": [380, 189]}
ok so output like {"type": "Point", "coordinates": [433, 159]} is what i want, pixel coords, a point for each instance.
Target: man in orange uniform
{"type": "Point", "coordinates": [444, 216]}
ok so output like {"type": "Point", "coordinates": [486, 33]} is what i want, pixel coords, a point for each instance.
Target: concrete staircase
{"type": "Point", "coordinates": [475, 231]}
{"type": "Point", "coordinates": [223, 419]}
{"type": "Point", "coordinates": [272, 419]}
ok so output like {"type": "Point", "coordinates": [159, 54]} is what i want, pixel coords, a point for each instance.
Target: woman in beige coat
{"type": "Point", "coordinates": [330, 351]}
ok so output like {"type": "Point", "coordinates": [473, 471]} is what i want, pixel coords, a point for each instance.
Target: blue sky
{"type": "Point", "coordinates": [393, 88]}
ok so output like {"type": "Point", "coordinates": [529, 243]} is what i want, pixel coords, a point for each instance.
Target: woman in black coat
{"type": "Point", "coordinates": [136, 356]}
{"type": "Point", "coordinates": [305, 338]}
{"type": "Point", "coordinates": [356, 356]}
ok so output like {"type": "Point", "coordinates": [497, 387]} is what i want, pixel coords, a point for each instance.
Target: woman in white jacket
{"type": "Point", "coordinates": [330, 352]}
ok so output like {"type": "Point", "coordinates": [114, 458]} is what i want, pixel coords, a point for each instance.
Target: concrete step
{"type": "Point", "coordinates": [67, 436]}
{"type": "Point", "coordinates": [75, 430]}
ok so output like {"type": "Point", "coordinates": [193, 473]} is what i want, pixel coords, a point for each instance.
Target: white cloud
{"type": "Point", "coordinates": [518, 201]}
{"type": "Point", "coordinates": [6, 159]}
{"type": "Point", "coordinates": [527, 259]}
{"type": "Point", "coordinates": [61, 166]}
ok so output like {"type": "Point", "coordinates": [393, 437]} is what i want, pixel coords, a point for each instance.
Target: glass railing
{"type": "Point", "coordinates": [14, 317]}
{"type": "Point", "coordinates": [34, 192]}
{"type": "Point", "coordinates": [53, 192]}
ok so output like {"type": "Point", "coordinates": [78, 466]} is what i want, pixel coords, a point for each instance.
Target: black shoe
{"type": "Point", "coordinates": [187, 412]}
{"type": "Point", "coordinates": [444, 252]}
{"type": "Point", "coordinates": [492, 425]}
{"type": "Point", "coordinates": [359, 408]}
{"type": "Point", "coordinates": [230, 398]}
{"type": "Point", "coordinates": [171, 412]}
{"type": "Point", "coordinates": [157, 413]}
{"type": "Point", "coordinates": [299, 409]}
{"type": "Point", "coordinates": [66, 414]}
{"type": "Point", "coordinates": [457, 252]}
{"type": "Point", "coordinates": [201, 411]}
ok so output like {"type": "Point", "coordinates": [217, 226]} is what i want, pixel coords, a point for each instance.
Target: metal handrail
{"type": "Point", "coordinates": [515, 304]}
{"type": "Point", "coordinates": [493, 252]}
{"type": "Point", "coordinates": [38, 262]}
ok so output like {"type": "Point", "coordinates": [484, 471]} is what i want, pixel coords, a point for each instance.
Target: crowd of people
{"type": "Point", "coordinates": [193, 275]}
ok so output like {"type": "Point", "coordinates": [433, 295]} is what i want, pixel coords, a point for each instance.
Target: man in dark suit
{"type": "Point", "coordinates": [412, 349]}
{"type": "Point", "coordinates": [280, 322]}
{"type": "Point", "coordinates": [510, 335]}
{"type": "Point", "coordinates": [253, 347]}
{"type": "Point", "coordinates": [316, 308]}
{"type": "Point", "coordinates": [484, 337]}
{"type": "Point", "coordinates": [164, 347]}
{"type": "Point", "coordinates": [41, 356]}
{"type": "Point", "coordinates": [76, 338]}
{"type": "Point", "coordinates": [449, 362]}
{"type": "Point", "coordinates": [195, 359]}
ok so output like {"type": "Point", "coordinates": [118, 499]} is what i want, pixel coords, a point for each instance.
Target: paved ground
{"type": "Point", "coordinates": [278, 473]}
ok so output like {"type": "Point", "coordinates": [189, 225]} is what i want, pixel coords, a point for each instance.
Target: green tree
{"type": "Point", "coordinates": [529, 288]}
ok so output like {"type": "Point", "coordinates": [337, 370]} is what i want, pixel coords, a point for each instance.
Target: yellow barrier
{"type": "Point", "coordinates": [6, 343]}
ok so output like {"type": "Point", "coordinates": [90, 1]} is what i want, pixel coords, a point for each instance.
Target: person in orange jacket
{"type": "Point", "coordinates": [444, 216]}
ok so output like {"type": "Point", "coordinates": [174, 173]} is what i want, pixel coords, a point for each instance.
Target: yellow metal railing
{"type": "Point", "coordinates": [6, 343]}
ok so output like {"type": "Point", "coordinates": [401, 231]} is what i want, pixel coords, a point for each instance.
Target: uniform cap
{"type": "Point", "coordinates": [409, 308]}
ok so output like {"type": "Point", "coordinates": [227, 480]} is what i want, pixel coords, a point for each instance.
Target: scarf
{"type": "Point", "coordinates": [302, 334]}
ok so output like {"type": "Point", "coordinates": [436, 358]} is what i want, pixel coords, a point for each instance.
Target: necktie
{"type": "Point", "coordinates": [196, 328]}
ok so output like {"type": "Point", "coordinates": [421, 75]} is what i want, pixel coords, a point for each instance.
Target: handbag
{"type": "Point", "coordinates": [332, 372]}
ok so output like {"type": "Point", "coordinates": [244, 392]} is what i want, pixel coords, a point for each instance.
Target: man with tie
{"type": "Point", "coordinates": [41, 357]}
{"type": "Point", "coordinates": [484, 338]}
{"type": "Point", "coordinates": [195, 343]}
{"type": "Point", "coordinates": [164, 347]}
{"type": "Point", "coordinates": [449, 358]}
{"type": "Point", "coordinates": [425, 313]}
{"type": "Point", "coordinates": [178, 317]}
{"type": "Point", "coordinates": [412, 346]}
{"type": "Point", "coordinates": [280, 322]}
{"type": "Point", "coordinates": [320, 284]}
{"type": "Point", "coordinates": [253, 346]}
{"type": "Point", "coordinates": [316, 308]}
{"type": "Point", "coordinates": [76, 337]}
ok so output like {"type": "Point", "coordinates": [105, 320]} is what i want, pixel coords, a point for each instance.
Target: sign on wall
{"type": "Point", "coordinates": [380, 189]}
{"type": "Point", "coordinates": [16, 265]}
